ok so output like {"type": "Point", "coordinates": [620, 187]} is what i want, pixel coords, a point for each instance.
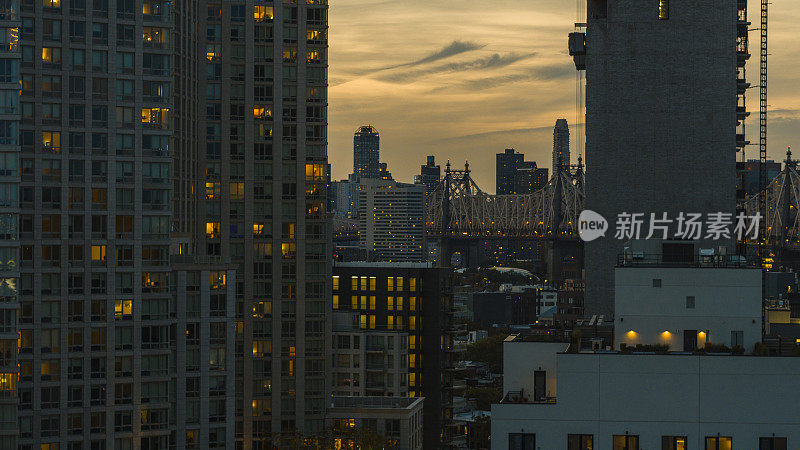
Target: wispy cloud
{"type": "Point", "coordinates": [511, 131]}
{"type": "Point", "coordinates": [550, 73]}
{"type": "Point", "coordinates": [452, 49]}
{"type": "Point", "coordinates": [489, 62]}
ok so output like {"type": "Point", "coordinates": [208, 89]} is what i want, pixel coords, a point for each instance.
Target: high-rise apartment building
{"type": "Point", "coordinates": [391, 220]}
{"type": "Point", "coordinates": [561, 155]}
{"type": "Point", "coordinates": [661, 134]}
{"type": "Point", "coordinates": [506, 167]}
{"type": "Point", "coordinates": [366, 152]}
{"type": "Point", "coordinates": [96, 312]}
{"type": "Point", "coordinates": [263, 84]}
{"type": "Point", "coordinates": [9, 219]}
{"type": "Point", "coordinates": [392, 337]}
{"type": "Point", "coordinates": [174, 246]}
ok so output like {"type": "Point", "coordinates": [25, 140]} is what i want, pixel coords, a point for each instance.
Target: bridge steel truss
{"type": "Point", "coordinates": [458, 208]}
{"type": "Point", "coordinates": [781, 228]}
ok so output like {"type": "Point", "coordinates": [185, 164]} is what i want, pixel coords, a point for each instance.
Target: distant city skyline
{"type": "Point", "coordinates": [483, 80]}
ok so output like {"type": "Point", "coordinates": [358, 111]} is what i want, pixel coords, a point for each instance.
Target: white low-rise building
{"type": "Point", "coordinates": [685, 307]}
{"type": "Point", "coordinates": [674, 401]}
{"type": "Point", "coordinates": [646, 397]}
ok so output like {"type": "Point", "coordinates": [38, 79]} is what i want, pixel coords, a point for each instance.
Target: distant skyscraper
{"type": "Point", "coordinates": [507, 163]}
{"type": "Point", "coordinates": [561, 145]}
{"type": "Point", "coordinates": [529, 178]}
{"type": "Point", "coordinates": [661, 135]}
{"type": "Point", "coordinates": [430, 174]}
{"type": "Point", "coordinates": [366, 152]}
{"type": "Point", "coordinates": [392, 220]}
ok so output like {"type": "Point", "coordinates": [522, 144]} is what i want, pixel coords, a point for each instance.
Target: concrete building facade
{"type": "Point", "coordinates": [661, 116]}
{"type": "Point", "coordinates": [687, 307]}
{"type": "Point", "coordinates": [612, 401]}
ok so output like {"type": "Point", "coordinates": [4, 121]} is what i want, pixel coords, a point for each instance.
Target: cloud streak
{"type": "Point", "coordinates": [453, 49]}
{"type": "Point", "coordinates": [489, 62]}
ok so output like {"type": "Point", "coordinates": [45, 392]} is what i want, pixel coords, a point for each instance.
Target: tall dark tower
{"type": "Point", "coordinates": [366, 152]}
{"type": "Point", "coordinates": [561, 145]}
{"type": "Point", "coordinates": [661, 90]}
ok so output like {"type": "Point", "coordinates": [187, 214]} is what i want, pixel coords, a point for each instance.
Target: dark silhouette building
{"type": "Point", "coordinates": [506, 168]}
{"type": "Point", "coordinates": [561, 145]}
{"type": "Point", "coordinates": [366, 152]}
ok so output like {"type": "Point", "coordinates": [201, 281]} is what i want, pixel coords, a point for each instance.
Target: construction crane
{"type": "Point", "coordinates": [762, 117]}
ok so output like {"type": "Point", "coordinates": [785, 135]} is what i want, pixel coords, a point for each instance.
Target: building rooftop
{"type": "Point", "coordinates": [386, 264]}
{"type": "Point", "coordinates": [375, 402]}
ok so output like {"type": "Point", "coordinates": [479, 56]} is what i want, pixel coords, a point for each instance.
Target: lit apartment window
{"type": "Point", "coordinates": [123, 308]}
{"type": "Point", "coordinates": [262, 13]}
{"type": "Point", "coordinates": [212, 230]}
{"type": "Point", "coordinates": [262, 308]}
{"type": "Point", "coordinates": [155, 117]}
{"type": "Point", "coordinates": [51, 3]}
{"type": "Point", "coordinates": [772, 443]}
{"type": "Point", "coordinates": [336, 283]}
{"type": "Point", "coordinates": [626, 442]}
{"type": "Point", "coordinates": [99, 253]}
{"type": "Point", "coordinates": [51, 141]}
{"type": "Point", "coordinates": [673, 442]}
{"type": "Point", "coordinates": [261, 112]}
{"type": "Point", "coordinates": [51, 55]}
{"type": "Point", "coordinates": [663, 9]}
{"type": "Point", "coordinates": [719, 443]}
{"type": "Point", "coordinates": [335, 302]}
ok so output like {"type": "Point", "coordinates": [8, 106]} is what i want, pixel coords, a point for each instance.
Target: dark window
{"type": "Point", "coordinates": [656, 282]}
{"type": "Point", "coordinates": [539, 385]}
{"type": "Point", "coordinates": [580, 442]}
{"type": "Point", "coordinates": [690, 302]}
{"type": "Point", "coordinates": [677, 252]}
{"type": "Point", "coordinates": [737, 339]}
{"type": "Point", "coordinates": [689, 340]}
{"type": "Point", "coordinates": [772, 443]}
{"type": "Point", "coordinates": [521, 441]}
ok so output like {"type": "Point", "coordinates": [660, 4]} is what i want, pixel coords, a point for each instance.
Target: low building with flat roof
{"type": "Point", "coordinates": [397, 419]}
